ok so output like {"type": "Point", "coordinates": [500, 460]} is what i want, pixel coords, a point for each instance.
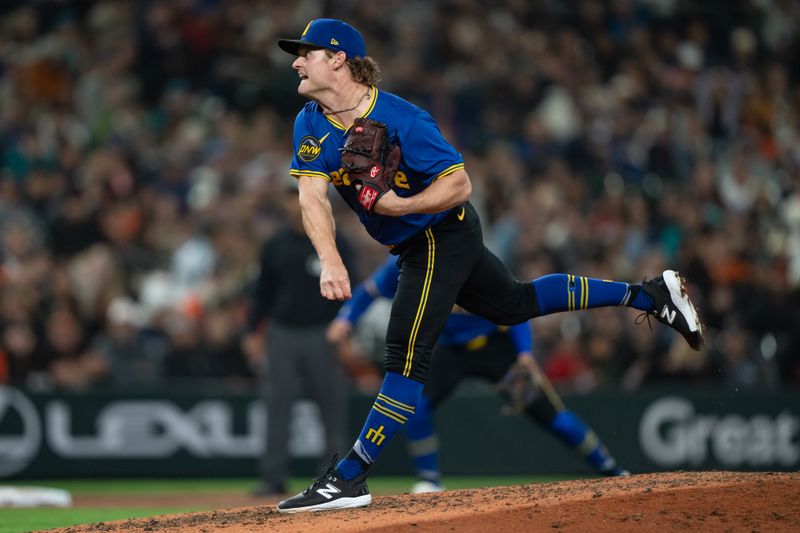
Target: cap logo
{"type": "Point", "coordinates": [306, 30]}
{"type": "Point", "coordinates": [334, 42]}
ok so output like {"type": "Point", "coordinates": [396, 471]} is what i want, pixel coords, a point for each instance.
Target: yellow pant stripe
{"type": "Point", "coordinates": [391, 414]}
{"type": "Point", "coordinates": [584, 293]}
{"type": "Point", "coordinates": [583, 289]}
{"type": "Point", "coordinates": [573, 293]}
{"type": "Point", "coordinates": [423, 301]}
{"type": "Point", "coordinates": [395, 403]}
{"type": "Point", "coordinates": [570, 293]}
{"type": "Point", "coordinates": [569, 306]}
{"type": "Point", "coordinates": [387, 409]}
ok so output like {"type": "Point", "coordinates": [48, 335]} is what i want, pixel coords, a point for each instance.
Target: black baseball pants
{"type": "Point", "coordinates": [441, 266]}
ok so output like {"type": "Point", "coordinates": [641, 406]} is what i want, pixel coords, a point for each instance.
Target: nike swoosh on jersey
{"type": "Point", "coordinates": [460, 216]}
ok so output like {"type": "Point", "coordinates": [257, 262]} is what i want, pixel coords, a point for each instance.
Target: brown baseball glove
{"type": "Point", "coordinates": [370, 161]}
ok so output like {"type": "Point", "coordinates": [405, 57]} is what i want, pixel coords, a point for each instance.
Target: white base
{"type": "Point", "coordinates": [34, 497]}
{"type": "Point", "coordinates": [423, 487]}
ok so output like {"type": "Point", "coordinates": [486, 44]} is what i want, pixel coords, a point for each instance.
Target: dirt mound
{"type": "Point", "coordinates": [711, 501]}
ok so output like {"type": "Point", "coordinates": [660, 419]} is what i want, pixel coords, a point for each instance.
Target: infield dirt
{"type": "Point", "coordinates": [679, 501]}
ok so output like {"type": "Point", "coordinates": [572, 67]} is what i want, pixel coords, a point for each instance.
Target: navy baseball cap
{"type": "Point", "coordinates": [328, 33]}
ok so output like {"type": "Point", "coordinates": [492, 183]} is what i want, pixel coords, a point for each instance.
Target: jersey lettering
{"type": "Point", "coordinates": [340, 178]}
{"type": "Point", "coordinates": [401, 180]}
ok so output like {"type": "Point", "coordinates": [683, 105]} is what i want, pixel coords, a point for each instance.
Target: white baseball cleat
{"type": "Point", "coordinates": [328, 492]}
{"type": "Point", "coordinates": [672, 306]}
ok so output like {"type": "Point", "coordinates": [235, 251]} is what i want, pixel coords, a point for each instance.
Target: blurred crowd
{"type": "Point", "coordinates": [145, 145]}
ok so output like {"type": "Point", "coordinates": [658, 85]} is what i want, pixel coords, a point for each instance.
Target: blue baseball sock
{"type": "Point", "coordinates": [395, 404]}
{"type": "Point", "coordinates": [574, 431]}
{"type": "Point", "coordinates": [565, 292]}
{"type": "Point", "coordinates": [423, 444]}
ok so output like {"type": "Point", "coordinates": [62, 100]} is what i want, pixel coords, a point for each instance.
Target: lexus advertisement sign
{"type": "Point", "coordinates": [85, 435]}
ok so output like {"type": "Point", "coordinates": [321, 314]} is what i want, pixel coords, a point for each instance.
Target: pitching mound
{"type": "Point", "coordinates": [708, 501]}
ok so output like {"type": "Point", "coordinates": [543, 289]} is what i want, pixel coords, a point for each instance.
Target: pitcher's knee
{"type": "Point", "coordinates": [412, 364]}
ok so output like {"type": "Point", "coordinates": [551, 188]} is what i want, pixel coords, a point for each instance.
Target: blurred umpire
{"type": "Point", "coordinates": [286, 338]}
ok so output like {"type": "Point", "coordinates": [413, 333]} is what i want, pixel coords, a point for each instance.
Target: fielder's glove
{"type": "Point", "coordinates": [370, 160]}
{"type": "Point", "coordinates": [520, 386]}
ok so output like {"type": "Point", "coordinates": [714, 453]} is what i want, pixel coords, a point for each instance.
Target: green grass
{"type": "Point", "coordinates": [19, 520]}
{"type": "Point", "coordinates": [140, 486]}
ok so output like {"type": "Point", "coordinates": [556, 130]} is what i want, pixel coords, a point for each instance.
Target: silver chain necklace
{"type": "Point", "coordinates": [366, 94]}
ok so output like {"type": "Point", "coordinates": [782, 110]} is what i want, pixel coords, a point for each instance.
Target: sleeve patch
{"type": "Point", "coordinates": [310, 148]}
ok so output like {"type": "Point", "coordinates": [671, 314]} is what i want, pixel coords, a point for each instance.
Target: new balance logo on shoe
{"type": "Point", "coordinates": [668, 315]}
{"type": "Point", "coordinates": [328, 491]}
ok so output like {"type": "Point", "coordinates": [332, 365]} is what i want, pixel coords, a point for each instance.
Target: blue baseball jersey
{"type": "Point", "coordinates": [426, 156]}
{"type": "Point", "coordinates": [461, 328]}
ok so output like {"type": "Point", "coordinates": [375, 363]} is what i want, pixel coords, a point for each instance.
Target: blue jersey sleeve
{"type": "Point", "coordinates": [521, 337]}
{"type": "Point", "coordinates": [307, 145]}
{"type": "Point", "coordinates": [426, 151]}
{"type": "Point", "coordinates": [382, 283]}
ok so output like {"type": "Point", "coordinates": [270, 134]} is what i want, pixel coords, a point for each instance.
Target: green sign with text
{"type": "Point", "coordinates": [198, 433]}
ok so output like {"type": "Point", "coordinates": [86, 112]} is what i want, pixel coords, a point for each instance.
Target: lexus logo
{"type": "Point", "coordinates": [20, 431]}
